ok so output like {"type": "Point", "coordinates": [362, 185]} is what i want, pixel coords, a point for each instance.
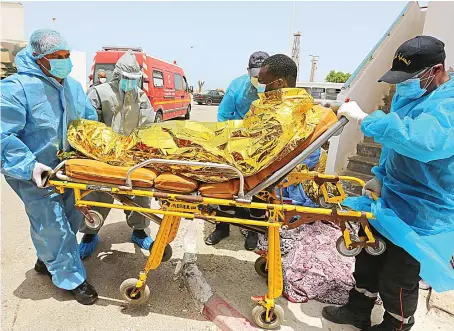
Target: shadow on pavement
{"type": "Point", "coordinates": [236, 281]}
{"type": "Point", "coordinates": [107, 268]}
{"type": "Point", "coordinates": [234, 242]}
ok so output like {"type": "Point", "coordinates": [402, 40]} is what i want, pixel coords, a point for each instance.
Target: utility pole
{"type": "Point", "coordinates": [296, 52]}
{"type": "Point", "coordinates": [314, 67]}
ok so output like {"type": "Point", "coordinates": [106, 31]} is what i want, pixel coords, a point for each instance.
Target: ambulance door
{"type": "Point", "coordinates": [179, 95]}
{"type": "Point", "coordinates": [169, 95]}
{"type": "Point", "coordinates": [156, 91]}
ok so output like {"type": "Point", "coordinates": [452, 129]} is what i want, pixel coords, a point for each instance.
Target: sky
{"type": "Point", "coordinates": [212, 41]}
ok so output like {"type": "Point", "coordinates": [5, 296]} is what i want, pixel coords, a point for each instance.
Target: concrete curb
{"type": "Point", "coordinates": [213, 307]}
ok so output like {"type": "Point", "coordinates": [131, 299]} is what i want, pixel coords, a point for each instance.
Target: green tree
{"type": "Point", "coordinates": [337, 77]}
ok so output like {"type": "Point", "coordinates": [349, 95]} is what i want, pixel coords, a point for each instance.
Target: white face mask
{"type": "Point", "coordinates": [103, 80]}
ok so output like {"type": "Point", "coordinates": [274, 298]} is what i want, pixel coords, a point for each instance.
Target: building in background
{"type": "Point", "coordinates": [12, 35]}
{"type": "Point", "coordinates": [13, 39]}
{"type": "Point", "coordinates": [322, 92]}
{"type": "Point", "coordinates": [436, 20]}
{"type": "Point", "coordinates": [12, 21]}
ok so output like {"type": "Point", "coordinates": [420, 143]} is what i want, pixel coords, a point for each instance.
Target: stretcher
{"type": "Point", "coordinates": [183, 198]}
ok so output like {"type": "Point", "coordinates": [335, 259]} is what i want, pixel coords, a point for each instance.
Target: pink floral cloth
{"type": "Point", "coordinates": [313, 269]}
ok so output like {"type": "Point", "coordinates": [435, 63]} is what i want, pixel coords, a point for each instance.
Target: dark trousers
{"type": "Point", "coordinates": [238, 212]}
{"type": "Point", "coordinates": [395, 275]}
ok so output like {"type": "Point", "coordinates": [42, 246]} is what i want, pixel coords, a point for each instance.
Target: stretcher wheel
{"type": "Point", "coordinates": [276, 314]}
{"type": "Point", "coordinates": [343, 250]}
{"type": "Point", "coordinates": [93, 220]}
{"type": "Point", "coordinates": [260, 267]}
{"type": "Point", "coordinates": [128, 286]}
{"type": "Point", "coordinates": [167, 252]}
{"type": "Point", "coordinates": [377, 250]}
{"type": "Point", "coordinates": [323, 203]}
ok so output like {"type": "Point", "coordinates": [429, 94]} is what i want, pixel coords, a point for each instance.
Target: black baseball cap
{"type": "Point", "coordinates": [413, 56]}
{"type": "Point", "coordinates": [255, 62]}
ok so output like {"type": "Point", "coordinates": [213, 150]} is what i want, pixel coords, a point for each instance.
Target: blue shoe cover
{"type": "Point", "coordinates": [144, 243]}
{"type": "Point", "coordinates": [87, 248]}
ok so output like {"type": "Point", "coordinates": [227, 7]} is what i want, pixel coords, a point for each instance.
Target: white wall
{"type": "Point", "coordinates": [364, 88]}
{"type": "Point", "coordinates": [12, 21]}
{"type": "Point", "coordinates": [440, 24]}
{"type": "Point", "coordinates": [79, 71]}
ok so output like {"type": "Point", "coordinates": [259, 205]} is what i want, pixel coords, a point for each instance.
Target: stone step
{"type": "Point", "coordinates": [364, 177]}
{"type": "Point", "coordinates": [361, 164]}
{"type": "Point", "coordinates": [352, 188]}
{"type": "Point", "coordinates": [369, 149]}
{"type": "Point", "coordinates": [369, 139]}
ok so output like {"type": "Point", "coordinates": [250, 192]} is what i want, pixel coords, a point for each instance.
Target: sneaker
{"type": "Point", "coordinates": [343, 315]}
{"type": "Point", "coordinates": [85, 294]}
{"type": "Point", "coordinates": [383, 327]}
{"type": "Point", "coordinates": [41, 268]}
{"type": "Point", "coordinates": [376, 328]}
{"type": "Point", "coordinates": [216, 237]}
{"type": "Point", "coordinates": [251, 240]}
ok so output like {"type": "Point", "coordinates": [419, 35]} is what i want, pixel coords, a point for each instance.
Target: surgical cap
{"type": "Point", "coordinates": [46, 41]}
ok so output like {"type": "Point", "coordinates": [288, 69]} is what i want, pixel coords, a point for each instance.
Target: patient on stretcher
{"type": "Point", "coordinates": [277, 123]}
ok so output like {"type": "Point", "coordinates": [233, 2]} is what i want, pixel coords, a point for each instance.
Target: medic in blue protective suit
{"type": "Point", "coordinates": [242, 91]}
{"type": "Point", "coordinates": [37, 105]}
{"type": "Point", "coordinates": [237, 100]}
{"type": "Point", "coordinates": [415, 182]}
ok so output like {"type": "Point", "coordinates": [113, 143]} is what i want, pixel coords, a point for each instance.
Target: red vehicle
{"type": "Point", "coordinates": [163, 82]}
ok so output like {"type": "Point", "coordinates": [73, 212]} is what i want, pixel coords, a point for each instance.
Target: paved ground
{"type": "Point", "coordinates": [31, 302]}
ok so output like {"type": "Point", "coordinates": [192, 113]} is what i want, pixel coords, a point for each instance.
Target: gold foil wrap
{"type": "Point", "coordinates": [275, 124]}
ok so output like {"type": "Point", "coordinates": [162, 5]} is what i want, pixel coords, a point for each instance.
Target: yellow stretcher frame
{"type": "Point", "coordinates": [266, 314]}
{"type": "Point", "coordinates": [175, 206]}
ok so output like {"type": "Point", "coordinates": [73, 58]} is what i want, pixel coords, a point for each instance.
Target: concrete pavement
{"type": "Point", "coordinates": [31, 302]}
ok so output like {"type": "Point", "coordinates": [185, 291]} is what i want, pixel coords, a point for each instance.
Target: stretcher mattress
{"type": "Point", "coordinates": [85, 169]}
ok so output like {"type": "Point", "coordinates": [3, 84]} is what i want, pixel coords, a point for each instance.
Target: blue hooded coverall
{"type": "Point", "coordinates": [416, 208]}
{"type": "Point", "coordinates": [237, 100]}
{"type": "Point", "coordinates": [35, 113]}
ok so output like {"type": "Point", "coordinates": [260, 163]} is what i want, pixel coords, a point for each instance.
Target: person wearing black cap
{"type": "Point", "coordinates": [241, 92]}
{"type": "Point", "coordinates": [415, 180]}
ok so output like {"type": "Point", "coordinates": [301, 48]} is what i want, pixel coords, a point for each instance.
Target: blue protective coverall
{"type": "Point", "coordinates": [416, 208]}
{"type": "Point", "coordinates": [35, 112]}
{"type": "Point", "coordinates": [237, 99]}
{"type": "Point", "coordinates": [296, 192]}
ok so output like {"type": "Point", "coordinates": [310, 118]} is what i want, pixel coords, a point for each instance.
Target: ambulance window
{"type": "Point", "coordinates": [107, 67]}
{"type": "Point", "coordinates": [185, 82]}
{"type": "Point", "coordinates": [158, 79]}
{"type": "Point", "coordinates": [178, 82]}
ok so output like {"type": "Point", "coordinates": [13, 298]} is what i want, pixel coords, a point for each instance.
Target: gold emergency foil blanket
{"type": "Point", "coordinates": [275, 124]}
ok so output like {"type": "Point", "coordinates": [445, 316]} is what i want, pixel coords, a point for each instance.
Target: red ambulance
{"type": "Point", "coordinates": [163, 82]}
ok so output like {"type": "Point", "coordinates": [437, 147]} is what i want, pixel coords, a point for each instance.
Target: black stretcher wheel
{"type": "Point", "coordinates": [167, 253]}
{"type": "Point", "coordinates": [260, 267]}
